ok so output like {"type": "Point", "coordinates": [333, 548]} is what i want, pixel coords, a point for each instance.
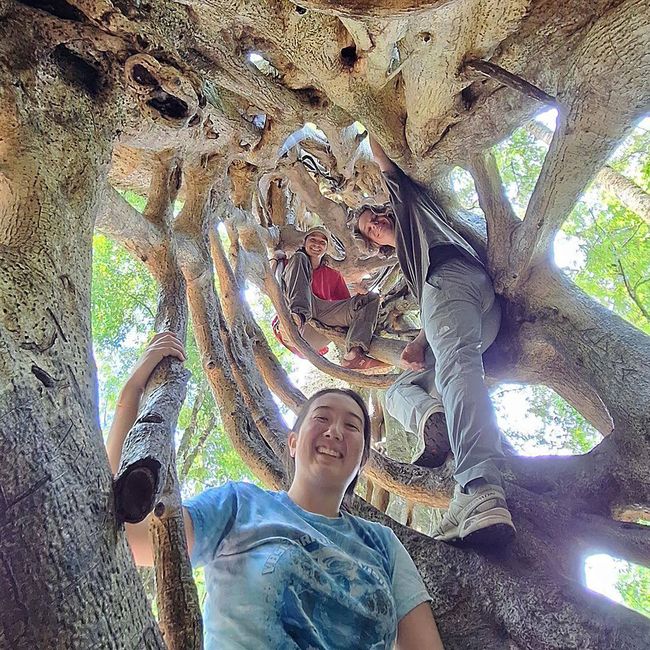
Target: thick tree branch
{"type": "Point", "coordinates": [598, 116]}
{"type": "Point", "coordinates": [237, 420]}
{"type": "Point", "coordinates": [519, 604]}
{"type": "Point", "coordinates": [147, 473]}
{"type": "Point", "coordinates": [427, 487]}
{"type": "Point", "coordinates": [179, 612]}
{"type": "Point", "coordinates": [610, 180]}
{"type": "Point", "coordinates": [500, 218]}
{"type": "Point", "coordinates": [120, 221]}
{"type": "Point", "coordinates": [371, 8]}
{"type": "Point", "coordinates": [623, 539]}
{"type": "Point", "coordinates": [256, 395]}
{"type": "Point", "coordinates": [147, 449]}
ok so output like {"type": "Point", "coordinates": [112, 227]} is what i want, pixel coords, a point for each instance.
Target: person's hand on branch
{"type": "Point", "coordinates": [412, 357]}
{"type": "Point", "coordinates": [164, 344]}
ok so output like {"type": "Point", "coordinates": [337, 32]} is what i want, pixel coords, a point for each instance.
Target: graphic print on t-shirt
{"type": "Point", "coordinates": [328, 601]}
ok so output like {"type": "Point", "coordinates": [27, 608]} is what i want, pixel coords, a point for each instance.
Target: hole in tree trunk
{"type": "Point", "coordinates": [135, 491]}
{"type": "Point", "coordinates": [59, 8]}
{"type": "Point", "coordinates": [152, 418]}
{"type": "Point", "coordinates": [169, 106]}
{"type": "Point", "coordinates": [349, 56]}
{"type": "Point", "coordinates": [467, 97]}
{"type": "Point", "coordinates": [42, 376]}
{"type": "Point", "coordinates": [142, 76]}
{"type": "Point", "coordinates": [314, 97]}
{"type": "Point", "coordinates": [76, 71]}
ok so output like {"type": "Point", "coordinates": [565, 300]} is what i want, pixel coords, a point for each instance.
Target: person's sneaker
{"type": "Point", "coordinates": [436, 442]}
{"type": "Point", "coordinates": [481, 518]}
{"type": "Point", "coordinates": [363, 363]}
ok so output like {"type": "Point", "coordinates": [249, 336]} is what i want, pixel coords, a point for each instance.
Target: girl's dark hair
{"type": "Point", "coordinates": [290, 463]}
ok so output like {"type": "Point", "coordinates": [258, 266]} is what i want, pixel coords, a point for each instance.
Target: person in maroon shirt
{"type": "Point", "coordinates": [316, 291]}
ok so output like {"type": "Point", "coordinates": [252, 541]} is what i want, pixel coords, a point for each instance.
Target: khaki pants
{"type": "Point", "coordinates": [461, 319]}
{"type": "Point", "coordinates": [358, 314]}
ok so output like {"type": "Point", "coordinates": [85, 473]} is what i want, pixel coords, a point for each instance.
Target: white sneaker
{"type": "Point", "coordinates": [480, 518]}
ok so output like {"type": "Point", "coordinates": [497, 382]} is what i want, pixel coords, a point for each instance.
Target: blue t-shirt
{"type": "Point", "coordinates": [279, 577]}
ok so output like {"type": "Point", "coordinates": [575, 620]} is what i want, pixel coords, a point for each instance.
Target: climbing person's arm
{"type": "Point", "coordinates": [162, 345]}
{"type": "Point", "coordinates": [418, 630]}
{"type": "Point", "coordinates": [380, 156]}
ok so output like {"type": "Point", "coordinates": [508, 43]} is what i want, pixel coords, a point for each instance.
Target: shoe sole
{"type": "Point", "coordinates": [490, 528]}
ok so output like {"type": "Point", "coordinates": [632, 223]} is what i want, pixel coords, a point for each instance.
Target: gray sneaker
{"type": "Point", "coordinates": [481, 518]}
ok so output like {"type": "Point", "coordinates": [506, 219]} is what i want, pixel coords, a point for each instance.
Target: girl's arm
{"type": "Point", "coordinates": [378, 153]}
{"type": "Point", "coordinates": [418, 631]}
{"type": "Point", "coordinates": [162, 345]}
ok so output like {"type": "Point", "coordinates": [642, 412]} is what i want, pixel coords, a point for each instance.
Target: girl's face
{"type": "Point", "coordinates": [329, 446]}
{"type": "Point", "coordinates": [316, 245]}
{"type": "Point", "coordinates": [378, 228]}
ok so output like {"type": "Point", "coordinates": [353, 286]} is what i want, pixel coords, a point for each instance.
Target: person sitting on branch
{"type": "Point", "coordinates": [316, 292]}
{"type": "Point", "coordinates": [444, 368]}
{"type": "Point", "coordinates": [306, 573]}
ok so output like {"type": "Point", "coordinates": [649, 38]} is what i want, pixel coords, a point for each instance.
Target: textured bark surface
{"type": "Point", "coordinates": [97, 96]}
{"type": "Point", "coordinates": [67, 578]}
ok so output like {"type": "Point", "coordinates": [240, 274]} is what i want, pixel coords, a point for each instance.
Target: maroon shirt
{"type": "Point", "coordinates": [326, 284]}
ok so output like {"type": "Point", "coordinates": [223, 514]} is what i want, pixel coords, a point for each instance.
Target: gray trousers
{"type": "Point", "coordinates": [358, 313]}
{"type": "Point", "coordinates": [461, 319]}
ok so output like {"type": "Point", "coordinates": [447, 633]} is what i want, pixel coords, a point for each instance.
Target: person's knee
{"type": "Point", "coordinates": [459, 363]}
{"type": "Point", "coordinates": [361, 300]}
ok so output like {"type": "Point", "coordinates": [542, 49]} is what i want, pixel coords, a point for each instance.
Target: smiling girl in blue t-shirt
{"type": "Point", "coordinates": [290, 569]}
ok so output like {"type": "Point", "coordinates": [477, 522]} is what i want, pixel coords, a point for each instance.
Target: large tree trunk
{"type": "Point", "coordinates": [67, 578]}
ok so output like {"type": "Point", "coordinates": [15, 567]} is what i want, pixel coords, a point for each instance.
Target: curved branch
{"type": "Point", "coordinates": [424, 486]}
{"type": "Point", "coordinates": [237, 420]}
{"type": "Point", "coordinates": [236, 337]}
{"type": "Point", "coordinates": [623, 539]}
{"type": "Point", "coordinates": [273, 290]}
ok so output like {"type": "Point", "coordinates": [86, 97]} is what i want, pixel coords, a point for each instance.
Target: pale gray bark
{"type": "Point", "coordinates": [625, 190]}
{"type": "Point", "coordinates": [67, 578]}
